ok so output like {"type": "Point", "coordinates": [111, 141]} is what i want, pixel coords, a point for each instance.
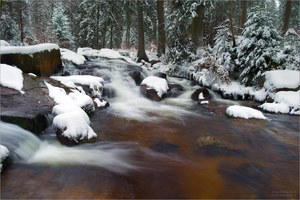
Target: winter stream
{"type": "Point", "coordinates": [148, 149]}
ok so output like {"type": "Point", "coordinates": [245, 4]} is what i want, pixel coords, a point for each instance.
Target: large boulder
{"type": "Point", "coordinates": [41, 59]}
{"type": "Point", "coordinates": [151, 93]}
{"type": "Point", "coordinates": [136, 76]}
{"type": "Point", "coordinates": [31, 109]}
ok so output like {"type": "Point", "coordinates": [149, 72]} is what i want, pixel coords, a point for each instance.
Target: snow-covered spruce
{"type": "Point", "coordinates": [244, 112]}
{"type": "Point", "coordinates": [4, 153]}
{"type": "Point", "coordinates": [11, 77]}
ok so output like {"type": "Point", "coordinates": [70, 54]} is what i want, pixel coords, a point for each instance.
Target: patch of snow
{"type": "Point", "coordinates": [4, 153]}
{"type": "Point", "coordinates": [94, 82]}
{"type": "Point", "coordinates": [75, 125]}
{"type": "Point", "coordinates": [259, 95]}
{"type": "Point", "coordinates": [244, 112]}
{"type": "Point", "coordinates": [160, 85]}
{"type": "Point", "coordinates": [28, 49]}
{"type": "Point", "coordinates": [63, 108]}
{"type": "Point", "coordinates": [290, 98]}
{"type": "Point", "coordinates": [233, 88]}
{"type": "Point", "coordinates": [109, 53]}
{"type": "Point", "coordinates": [11, 77]}
{"type": "Point", "coordinates": [32, 74]}
{"type": "Point", "coordinates": [4, 43]}
{"type": "Point", "coordinates": [201, 97]}
{"type": "Point", "coordinates": [204, 102]}
{"type": "Point", "coordinates": [60, 96]}
{"type": "Point", "coordinates": [71, 56]}
{"type": "Point", "coordinates": [277, 79]}
{"type": "Point", "coordinates": [275, 107]}
{"type": "Point", "coordinates": [100, 103]}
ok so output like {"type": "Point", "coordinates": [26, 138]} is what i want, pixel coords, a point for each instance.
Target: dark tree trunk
{"type": "Point", "coordinates": [141, 49]}
{"type": "Point", "coordinates": [128, 25]}
{"type": "Point", "coordinates": [21, 21]}
{"type": "Point", "coordinates": [111, 36]}
{"type": "Point", "coordinates": [287, 16]}
{"type": "Point", "coordinates": [97, 27]}
{"type": "Point", "coordinates": [198, 27]}
{"type": "Point", "coordinates": [231, 24]}
{"type": "Point", "coordinates": [103, 37]}
{"type": "Point", "coordinates": [244, 13]}
{"type": "Point", "coordinates": [161, 28]}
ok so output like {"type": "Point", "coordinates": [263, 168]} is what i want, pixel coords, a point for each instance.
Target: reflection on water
{"type": "Point", "coordinates": [147, 149]}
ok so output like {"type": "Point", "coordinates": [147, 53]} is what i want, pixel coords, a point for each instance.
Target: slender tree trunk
{"type": "Point", "coordinates": [103, 37]}
{"type": "Point", "coordinates": [111, 36]}
{"type": "Point", "coordinates": [21, 21]}
{"type": "Point", "coordinates": [128, 25]}
{"type": "Point", "coordinates": [141, 49]}
{"type": "Point", "coordinates": [97, 26]}
{"type": "Point", "coordinates": [244, 13]}
{"type": "Point", "coordinates": [198, 27]}
{"type": "Point", "coordinates": [287, 16]}
{"type": "Point", "coordinates": [161, 47]}
{"type": "Point", "coordinates": [231, 24]}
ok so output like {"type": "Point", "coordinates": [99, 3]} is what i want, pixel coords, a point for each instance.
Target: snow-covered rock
{"type": "Point", "coordinates": [244, 112]}
{"type": "Point", "coordinates": [290, 98]}
{"type": "Point", "coordinates": [160, 85]}
{"type": "Point", "coordinates": [72, 56]}
{"type": "Point", "coordinates": [11, 77]}
{"type": "Point", "coordinates": [4, 153]}
{"type": "Point", "coordinates": [275, 107]}
{"type": "Point", "coordinates": [41, 59]}
{"type": "Point", "coordinates": [282, 79]}
{"type": "Point", "coordinates": [73, 127]}
{"type": "Point", "coordinates": [94, 83]}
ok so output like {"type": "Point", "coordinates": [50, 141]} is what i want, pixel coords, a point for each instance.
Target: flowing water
{"type": "Point", "coordinates": [149, 149]}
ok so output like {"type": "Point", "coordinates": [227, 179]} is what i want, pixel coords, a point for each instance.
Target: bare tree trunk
{"type": "Point", "coordinates": [111, 36]}
{"type": "Point", "coordinates": [244, 12]}
{"type": "Point", "coordinates": [287, 16]}
{"type": "Point", "coordinates": [141, 49]}
{"type": "Point", "coordinates": [103, 34]}
{"type": "Point", "coordinates": [161, 49]}
{"type": "Point", "coordinates": [198, 27]}
{"type": "Point", "coordinates": [231, 24]}
{"type": "Point", "coordinates": [97, 31]}
{"type": "Point", "coordinates": [128, 25]}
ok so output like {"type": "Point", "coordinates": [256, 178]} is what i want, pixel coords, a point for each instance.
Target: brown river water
{"type": "Point", "coordinates": [159, 157]}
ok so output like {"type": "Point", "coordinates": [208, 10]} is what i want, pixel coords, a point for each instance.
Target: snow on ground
{"type": "Point", "coordinates": [233, 88]}
{"type": "Point", "coordinates": [160, 85]}
{"type": "Point", "coordinates": [244, 112]}
{"type": "Point", "coordinates": [94, 82]}
{"type": "Point", "coordinates": [28, 49]}
{"type": "Point", "coordinates": [275, 107]}
{"type": "Point", "coordinates": [71, 56]}
{"type": "Point", "coordinates": [4, 43]}
{"type": "Point", "coordinates": [104, 53]}
{"type": "Point", "coordinates": [4, 153]}
{"type": "Point", "coordinates": [278, 79]}
{"type": "Point", "coordinates": [11, 77]}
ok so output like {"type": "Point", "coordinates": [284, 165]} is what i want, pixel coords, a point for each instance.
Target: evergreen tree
{"type": "Point", "coordinates": [61, 27]}
{"type": "Point", "coordinates": [223, 49]}
{"type": "Point", "coordinates": [290, 55]}
{"type": "Point", "coordinates": [257, 51]}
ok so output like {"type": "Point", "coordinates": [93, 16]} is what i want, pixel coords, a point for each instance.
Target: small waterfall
{"type": "Point", "coordinates": [25, 147]}
{"type": "Point", "coordinates": [22, 144]}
